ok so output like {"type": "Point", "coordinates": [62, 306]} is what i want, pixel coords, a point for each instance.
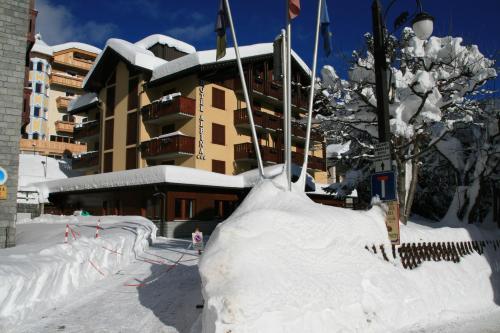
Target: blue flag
{"type": "Point", "coordinates": [325, 29]}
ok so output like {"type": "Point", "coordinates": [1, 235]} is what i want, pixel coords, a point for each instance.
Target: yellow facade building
{"type": "Point", "coordinates": [159, 101]}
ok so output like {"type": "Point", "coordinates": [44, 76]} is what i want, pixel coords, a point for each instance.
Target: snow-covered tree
{"type": "Point", "coordinates": [434, 87]}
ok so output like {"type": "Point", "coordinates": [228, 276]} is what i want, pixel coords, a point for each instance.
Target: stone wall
{"type": "Point", "coordinates": [14, 22]}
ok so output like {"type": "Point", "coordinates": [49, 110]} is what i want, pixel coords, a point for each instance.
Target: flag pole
{"type": "Point", "coordinates": [288, 109]}
{"type": "Point", "coordinates": [303, 173]}
{"type": "Point", "coordinates": [285, 99]}
{"type": "Point", "coordinates": [245, 91]}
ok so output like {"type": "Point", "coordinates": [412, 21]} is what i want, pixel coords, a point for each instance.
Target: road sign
{"type": "Point", "coordinates": [197, 237]}
{"type": "Point", "coordinates": [383, 165]}
{"type": "Point", "coordinates": [3, 176]}
{"type": "Point", "coordinates": [382, 157]}
{"type": "Point", "coordinates": [384, 185]}
{"type": "Point", "coordinates": [3, 192]}
{"type": "Point", "coordinates": [392, 221]}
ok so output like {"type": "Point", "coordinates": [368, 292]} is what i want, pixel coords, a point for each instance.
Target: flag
{"type": "Point", "coordinates": [325, 29]}
{"type": "Point", "coordinates": [293, 8]}
{"type": "Point", "coordinates": [220, 29]}
{"type": "Point", "coordinates": [277, 55]}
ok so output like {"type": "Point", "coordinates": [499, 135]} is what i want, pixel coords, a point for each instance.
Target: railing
{"type": "Point", "coordinates": [85, 161]}
{"type": "Point", "coordinates": [78, 63]}
{"type": "Point", "coordinates": [50, 147]}
{"type": "Point", "coordinates": [62, 102]}
{"type": "Point", "coordinates": [313, 162]}
{"type": "Point", "coordinates": [178, 106]}
{"type": "Point", "coordinates": [246, 151]}
{"type": "Point", "coordinates": [65, 126]}
{"type": "Point", "coordinates": [85, 131]}
{"type": "Point", "coordinates": [177, 144]}
{"type": "Point", "coordinates": [57, 78]}
{"type": "Point", "coordinates": [261, 119]}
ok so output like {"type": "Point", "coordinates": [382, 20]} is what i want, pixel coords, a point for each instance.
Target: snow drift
{"type": "Point", "coordinates": [41, 269]}
{"type": "Point", "coordinates": [282, 263]}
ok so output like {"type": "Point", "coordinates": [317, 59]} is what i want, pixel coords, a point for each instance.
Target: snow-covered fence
{"type": "Point", "coordinates": [412, 255]}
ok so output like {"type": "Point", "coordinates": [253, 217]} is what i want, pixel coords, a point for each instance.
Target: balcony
{"type": "Point", "coordinates": [87, 161]}
{"type": "Point", "coordinates": [179, 108]}
{"type": "Point", "coordinates": [87, 131]}
{"type": "Point", "coordinates": [50, 147]}
{"type": "Point", "coordinates": [263, 121]}
{"type": "Point", "coordinates": [64, 126]}
{"type": "Point", "coordinates": [62, 102]}
{"type": "Point", "coordinates": [76, 63]}
{"type": "Point", "coordinates": [313, 162]}
{"type": "Point", "coordinates": [66, 80]}
{"type": "Point", "coordinates": [246, 152]}
{"type": "Point", "coordinates": [168, 147]}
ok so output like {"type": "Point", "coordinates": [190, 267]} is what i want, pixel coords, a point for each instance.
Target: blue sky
{"type": "Point", "coordinates": [257, 21]}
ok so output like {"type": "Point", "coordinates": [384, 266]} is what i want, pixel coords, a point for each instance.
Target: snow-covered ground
{"type": "Point", "coordinates": [42, 269]}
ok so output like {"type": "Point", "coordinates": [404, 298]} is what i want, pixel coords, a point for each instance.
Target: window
{"type": "Point", "coordinates": [39, 67]}
{"type": "Point", "coordinates": [218, 98]}
{"type": "Point", "coordinates": [168, 129]}
{"type": "Point", "coordinates": [36, 111]}
{"type": "Point", "coordinates": [132, 128]}
{"type": "Point", "coordinates": [38, 88]}
{"type": "Point", "coordinates": [68, 117]}
{"type": "Point", "coordinates": [110, 101]}
{"type": "Point", "coordinates": [218, 134]}
{"type": "Point", "coordinates": [131, 159]}
{"type": "Point", "coordinates": [108, 134]}
{"type": "Point", "coordinates": [222, 208]}
{"type": "Point", "coordinates": [184, 209]}
{"type": "Point", "coordinates": [35, 136]}
{"type": "Point", "coordinates": [108, 162]}
{"type": "Point", "coordinates": [31, 65]}
{"type": "Point", "coordinates": [219, 166]}
{"type": "Point", "coordinates": [171, 162]}
{"type": "Point", "coordinates": [133, 93]}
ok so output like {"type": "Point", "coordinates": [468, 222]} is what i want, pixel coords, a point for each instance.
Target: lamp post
{"type": "Point", "coordinates": [423, 25]}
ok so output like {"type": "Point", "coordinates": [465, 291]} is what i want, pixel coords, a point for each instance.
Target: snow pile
{"type": "Point", "coordinates": [76, 45]}
{"type": "Point", "coordinates": [42, 269]}
{"type": "Point", "coordinates": [41, 47]}
{"type": "Point", "coordinates": [152, 40]}
{"type": "Point", "coordinates": [336, 150]}
{"type": "Point", "coordinates": [37, 168]}
{"type": "Point", "coordinates": [282, 263]}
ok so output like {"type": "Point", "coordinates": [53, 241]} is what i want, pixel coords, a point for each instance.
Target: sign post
{"type": "Point", "coordinates": [197, 237]}
{"type": "Point", "coordinates": [3, 188]}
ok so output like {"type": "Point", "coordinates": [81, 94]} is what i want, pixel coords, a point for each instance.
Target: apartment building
{"type": "Point", "coordinates": [56, 74]}
{"type": "Point", "coordinates": [161, 102]}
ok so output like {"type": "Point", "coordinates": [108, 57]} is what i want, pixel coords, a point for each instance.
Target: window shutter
{"type": "Point", "coordinates": [110, 101]}
{"type": "Point", "coordinates": [219, 166]}
{"type": "Point", "coordinates": [133, 93]}
{"type": "Point", "coordinates": [108, 134]}
{"type": "Point", "coordinates": [108, 162]}
{"type": "Point", "coordinates": [218, 134]}
{"type": "Point", "coordinates": [131, 159]}
{"type": "Point", "coordinates": [131, 128]}
{"type": "Point", "coordinates": [218, 98]}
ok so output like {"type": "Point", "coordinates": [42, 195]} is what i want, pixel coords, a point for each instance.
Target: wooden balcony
{"type": "Point", "coordinates": [179, 108]}
{"type": "Point", "coordinates": [75, 63]}
{"type": "Point", "coordinates": [168, 147]}
{"type": "Point", "coordinates": [85, 162]}
{"type": "Point", "coordinates": [62, 102]}
{"type": "Point", "coordinates": [88, 131]}
{"type": "Point", "coordinates": [313, 162]}
{"type": "Point", "coordinates": [64, 126]}
{"type": "Point", "coordinates": [50, 147]}
{"type": "Point", "coordinates": [66, 80]}
{"type": "Point", "coordinates": [263, 121]}
{"type": "Point", "coordinates": [246, 152]}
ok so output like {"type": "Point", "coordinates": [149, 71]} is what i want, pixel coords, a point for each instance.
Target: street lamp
{"type": "Point", "coordinates": [423, 25]}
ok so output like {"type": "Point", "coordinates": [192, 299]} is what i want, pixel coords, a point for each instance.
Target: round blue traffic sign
{"type": "Point", "coordinates": [3, 176]}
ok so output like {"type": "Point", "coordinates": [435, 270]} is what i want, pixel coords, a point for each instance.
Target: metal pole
{"type": "Point", "coordinates": [289, 99]}
{"type": "Point", "coordinates": [285, 99]}
{"type": "Point", "coordinates": [245, 91]}
{"type": "Point", "coordinates": [303, 173]}
{"type": "Point", "coordinates": [380, 74]}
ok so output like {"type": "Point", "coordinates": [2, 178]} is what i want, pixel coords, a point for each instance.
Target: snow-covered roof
{"type": "Point", "coordinates": [82, 101]}
{"type": "Point", "coordinates": [149, 41]}
{"type": "Point", "coordinates": [337, 149]}
{"type": "Point", "coordinates": [208, 57]}
{"type": "Point", "coordinates": [135, 55]}
{"type": "Point", "coordinates": [41, 47]}
{"type": "Point", "coordinates": [76, 45]}
{"type": "Point", "coordinates": [159, 174]}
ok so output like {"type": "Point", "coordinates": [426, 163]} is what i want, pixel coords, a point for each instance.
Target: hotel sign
{"type": "Point", "coordinates": [201, 119]}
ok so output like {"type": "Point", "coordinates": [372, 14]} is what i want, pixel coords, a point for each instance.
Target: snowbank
{"type": "Point", "coordinates": [42, 269]}
{"type": "Point", "coordinates": [76, 45]}
{"type": "Point", "coordinates": [152, 40]}
{"type": "Point", "coordinates": [282, 263]}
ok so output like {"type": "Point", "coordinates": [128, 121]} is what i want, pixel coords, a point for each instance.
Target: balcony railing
{"type": "Point", "coordinates": [64, 126]}
{"type": "Point", "coordinates": [62, 102]}
{"type": "Point", "coordinates": [246, 151]}
{"type": "Point", "coordinates": [179, 107]}
{"type": "Point", "coordinates": [50, 147]}
{"type": "Point", "coordinates": [261, 119]}
{"type": "Point", "coordinates": [313, 162]}
{"type": "Point", "coordinates": [66, 80]}
{"type": "Point", "coordinates": [73, 62]}
{"type": "Point", "coordinates": [86, 131]}
{"type": "Point", "coordinates": [168, 146]}
{"type": "Point", "coordinates": [86, 161]}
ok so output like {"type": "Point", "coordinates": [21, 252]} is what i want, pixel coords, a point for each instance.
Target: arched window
{"type": "Point", "coordinates": [35, 136]}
